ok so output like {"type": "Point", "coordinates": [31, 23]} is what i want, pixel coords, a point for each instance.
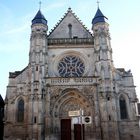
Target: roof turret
{"type": "Point", "coordinates": [39, 18]}
{"type": "Point", "coordinates": [99, 17]}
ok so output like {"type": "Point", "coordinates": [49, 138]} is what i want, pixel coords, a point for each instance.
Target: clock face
{"type": "Point", "coordinates": [71, 66]}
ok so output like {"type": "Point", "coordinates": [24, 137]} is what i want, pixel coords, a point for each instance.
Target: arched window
{"type": "Point", "coordinates": [20, 111]}
{"type": "Point", "coordinates": [123, 108]}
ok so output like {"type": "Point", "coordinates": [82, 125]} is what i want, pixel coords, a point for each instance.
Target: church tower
{"type": "Point", "coordinates": [39, 69]}
{"type": "Point", "coordinates": [104, 68]}
{"type": "Point", "coordinates": [38, 47]}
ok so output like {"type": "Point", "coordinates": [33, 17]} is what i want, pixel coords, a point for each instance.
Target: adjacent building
{"type": "Point", "coordinates": [1, 117]}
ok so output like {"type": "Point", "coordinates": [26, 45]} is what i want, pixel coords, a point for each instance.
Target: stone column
{"type": "Point", "coordinates": [47, 114]}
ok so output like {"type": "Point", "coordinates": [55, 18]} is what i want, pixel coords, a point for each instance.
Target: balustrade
{"type": "Point", "coordinates": [61, 41]}
{"type": "Point", "coordinates": [72, 81]}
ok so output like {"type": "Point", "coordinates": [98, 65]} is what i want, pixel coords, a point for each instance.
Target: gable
{"type": "Point", "coordinates": [70, 27]}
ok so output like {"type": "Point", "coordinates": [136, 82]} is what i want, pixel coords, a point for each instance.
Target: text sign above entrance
{"type": "Point", "coordinates": [74, 113]}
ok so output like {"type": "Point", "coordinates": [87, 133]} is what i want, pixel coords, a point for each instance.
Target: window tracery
{"type": "Point", "coordinates": [123, 108]}
{"type": "Point", "coordinates": [20, 111]}
{"type": "Point", "coordinates": [71, 66]}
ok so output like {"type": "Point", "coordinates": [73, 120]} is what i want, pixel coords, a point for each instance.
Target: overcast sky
{"type": "Point", "coordinates": [15, 20]}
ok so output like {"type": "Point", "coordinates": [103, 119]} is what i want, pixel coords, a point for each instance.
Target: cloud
{"type": "Point", "coordinates": [6, 12]}
{"type": "Point", "coordinates": [55, 5]}
{"type": "Point", "coordinates": [17, 30]}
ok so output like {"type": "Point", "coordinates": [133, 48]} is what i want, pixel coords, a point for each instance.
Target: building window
{"type": "Point", "coordinates": [36, 68]}
{"type": "Point", "coordinates": [35, 119]}
{"type": "Point", "coordinates": [71, 66]}
{"type": "Point", "coordinates": [109, 118]}
{"type": "Point", "coordinates": [108, 98]}
{"type": "Point", "coordinates": [75, 37]}
{"type": "Point", "coordinates": [123, 108]}
{"type": "Point", "coordinates": [20, 111]}
{"type": "Point", "coordinates": [70, 30]}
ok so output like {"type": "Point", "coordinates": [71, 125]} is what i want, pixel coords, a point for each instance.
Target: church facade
{"type": "Point", "coordinates": [70, 89]}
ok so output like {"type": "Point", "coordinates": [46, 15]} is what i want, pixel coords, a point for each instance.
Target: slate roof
{"type": "Point", "coordinates": [39, 18]}
{"type": "Point", "coordinates": [121, 69]}
{"type": "Point", "coordinates": [16, 73]}
{"type": "Point", "coordinates": [99, 17]}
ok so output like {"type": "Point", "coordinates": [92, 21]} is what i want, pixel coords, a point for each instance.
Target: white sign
{"type": "Point", "coordinates": [76, 120]}
{"type": "Point", "coordinates": [74, 113]}
{"type": "Point", "coordinates": [86, 120]}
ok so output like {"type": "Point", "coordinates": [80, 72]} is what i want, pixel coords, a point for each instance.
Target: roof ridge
{"type": "Point", "coordinates": [56, 25]}
{"type": "Point", "coordinates": [65, 14]}
{"type": "Point", "coordinates": [16, 73]}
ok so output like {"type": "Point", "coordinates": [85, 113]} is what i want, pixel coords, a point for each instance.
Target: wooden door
{"type": "Point", "coordinates": [78, 132]}
{"type": "Point", "coordinates": [65, 129]}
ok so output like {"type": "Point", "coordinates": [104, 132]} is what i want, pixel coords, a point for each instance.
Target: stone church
{"type": "Point", "coordinates": [70, 89]}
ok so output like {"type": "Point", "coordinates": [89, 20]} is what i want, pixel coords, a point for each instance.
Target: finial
{"type": "Point", "coordinates": [98, 3]}
{"type": "Point", "coordinates": [69, 9]}
{"type": "Point", "coordinates": [40, 5]}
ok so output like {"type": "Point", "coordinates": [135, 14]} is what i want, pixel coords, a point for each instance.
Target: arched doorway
{"type": "Point", "coordinates": [70, 100]}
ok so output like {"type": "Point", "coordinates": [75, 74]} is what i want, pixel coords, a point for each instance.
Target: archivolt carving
{"type": "Point", "coordinates": [67, 106]}
{"type": "Point", "coordinates": [89, 90]}
{"type": "Point", "coordinates": [69, 101]}
{"type": "Point", "coordinates": [55, 93]}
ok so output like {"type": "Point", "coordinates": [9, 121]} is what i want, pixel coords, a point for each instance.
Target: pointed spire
{"type": "Point", "coordinates": [39, 19]}
{"type": "Point", "coordinates": [99, 17]}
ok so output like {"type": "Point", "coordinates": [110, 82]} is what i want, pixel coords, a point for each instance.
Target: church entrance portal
{"type": "Point", "coordinates": [66, 130]}
{"type": "Point", "coordinates": [69, 125]}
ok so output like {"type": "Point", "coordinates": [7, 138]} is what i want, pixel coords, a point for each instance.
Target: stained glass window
{"type": "Point", "coordinates": [138, 108]}
{"type": "Point", "coordinates": [123, 108]}
{"type": "Point", "coordinates": [20, 111]}
{"type": "Point", "coordinates": [71, 66]}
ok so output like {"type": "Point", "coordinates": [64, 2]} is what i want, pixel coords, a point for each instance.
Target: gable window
{"type": "Point", "coordinates": [75, 37]}
{"type": "Point", "coordinates": [70, 30]}
{"type": "Point", "coordinates": [20, 111]}
{"type": "Point", "coordinates": [123, 108]}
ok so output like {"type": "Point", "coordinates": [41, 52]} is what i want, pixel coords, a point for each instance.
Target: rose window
{"type": "Point", "coordinates": [71, 66]}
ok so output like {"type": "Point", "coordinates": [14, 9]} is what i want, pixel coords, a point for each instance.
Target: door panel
{"type": "Point", "coordinates": [77, 132]}
{"type": "Point", "coordinates": [65, 129]}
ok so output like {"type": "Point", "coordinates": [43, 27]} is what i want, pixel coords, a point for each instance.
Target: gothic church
{"type": "Point", "coordinates": [70, 89]}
